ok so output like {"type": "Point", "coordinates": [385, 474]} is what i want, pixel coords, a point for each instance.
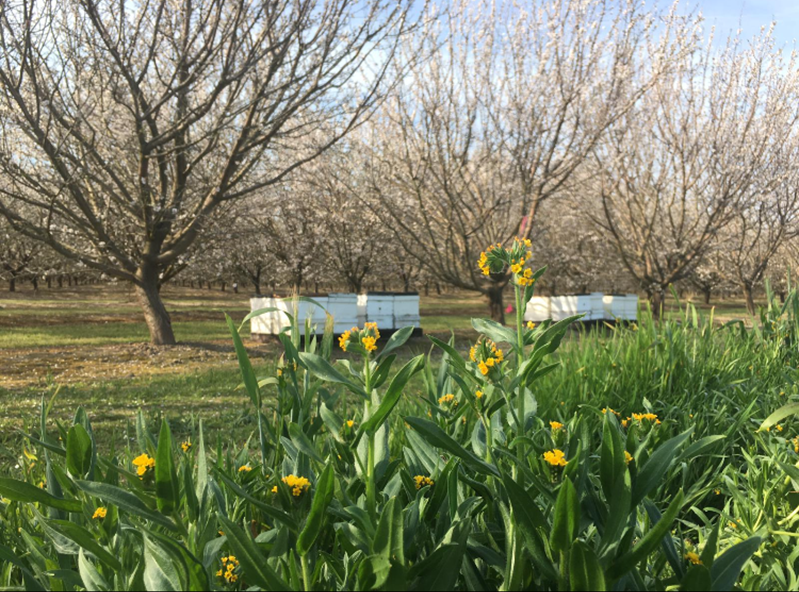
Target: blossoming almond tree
{"type": "Point", "coordinates": [127, 126]}
{"type": "Point", "coordinates": [507, 105]}
{"type": "Point", "coordinates": [692, 154]}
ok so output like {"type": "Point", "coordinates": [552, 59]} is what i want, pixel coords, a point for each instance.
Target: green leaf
{"type": "Point", "coordinates": [779, 415]}
{"type": "Point", "coordinates": [566, 520]}
{"type": "Point", "coordinates": [159, 569]}
{"type": "Point", "coordinates": [699, 447]}
{"type": "Point", "coordinates": [697, 579]}
{"type": "Point", "coordinates": [392, 395]}
{"type": "Point", "coordinates": [495, 331]}
{"type": "Point", "coordinates": [79, 451]}
{"type": "Point", "coordinates": [388, 540]}
{"type": "Point", "coordinates": [167, 489]}
{"type": "Point", "coordinates": [452, 354]}
{"type": "Point", "coordinates": [19, 491]}
{"type": "Point", "coordinates": [612, 465]}
{"type": "Point", "coordinates": [437, 437]}
{"type": "Point", "coordinates": [303, 443]}
{"type": "Point", "coordinates": [325, 486]}
{"type": "Point", "coordinates": [92, 579]}
{"type": "Point", "coordinates": [247, 373]}
{"type": "Point", "coordinates": [321, 368]}
{"type": "Point", "coordinates": [530, 520]}
{"type": "Point", "coordinates": [728, 565]}
{"type": "Point", "coordinates": [648, 543]}
{"type": "Point", "coordinates": [396, 340]}
{"type": "Point", "coordinates": [255, 566]}
{"type": "Point", "coordinates": [86, 540]}
{"type": "Point", "coordinates": [125, 501]}
{"type": "Point", "coordinates": [267, 509]}
{"type": "Point", "coordinates": [650, 475]}
{"type": "Point", "coordinates": [585, 572]}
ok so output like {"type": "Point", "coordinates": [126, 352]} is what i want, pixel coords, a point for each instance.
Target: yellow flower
{"type": "Point", "coordinates": [298, 485]}
{"type": "Point", "coordinates": [478, 394]}
{"type": "Point", "coordinates": [646, 416]}
{"type": "Point", "coordinates": [556, 458]}
{"type": "Point", "coordinates": [450, 398]}
{"type": "Point", "coordinates": [530, 325]}
{"type": "Point", "coordinates": [693, 558]}
{"type": "Point", "coordinates": [625, 422]}
{"type": "Point", "coordinates": [779, 427]}
{"type": "Point", "coordinates": [274, 489]}
{"type": "Point", "coordinates": [422, 481]}
{"type": "Point", "coordinates": [734, 524]}
{"type": "Point", "coordinates": [369, 344]}
{"type": "Point", "coordinates": [245, 469]}
{"type": "Point", "coordinates": [717, 491]}
{"type": "Point", "coordinates": [350, 423]}
{"type": "Point", "coordinates": [516, 268]}
{"type": "Point", "coordinates": [229, 573]}
{"type": "Point", "coordinates": [796, 445]}
{"type": "Point", "coordinates": [628, 458]}
{"type": "Point", "coordinates": [344, 340]}
{"type": "Point", "coordinates": [143, 463]}
{"type": "Point", "coordinates": [555, 425]}
{"type": "Point", "coordinates": [186, 446]}
{"type": "Point", "coordinates": [100, 513]}
{"type": "Point", "coordinates": [490, 362]}
{"type": "Point", "coordinates": [483, 368]}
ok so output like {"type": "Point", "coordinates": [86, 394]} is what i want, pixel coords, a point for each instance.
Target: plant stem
{"type": "Point", "coordinates": [371, 495]}
{"type": "Point", "coordinates": [519, 362]}
{"type": "Point", "coordinates": [306, 577]}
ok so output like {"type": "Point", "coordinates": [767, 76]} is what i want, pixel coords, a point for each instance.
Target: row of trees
{"type": "Point", "coordinates": [342, 141]}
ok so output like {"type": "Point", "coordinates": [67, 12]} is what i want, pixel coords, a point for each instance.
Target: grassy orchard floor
{"type": "Point", "coordinates": [91, 343]}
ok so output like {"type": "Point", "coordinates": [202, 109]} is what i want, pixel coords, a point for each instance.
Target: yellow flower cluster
{"type": "Point", "coordinates": [298, 485]}
{"type": "Point", "coordinates": [555, 426]}
{"type": "Point", "coordinates": [486, 355]}
{"type": "Point", "coordinates": [530, 325]}
{"type": "Point", "coordinates": [448, 400]}
{"type": "Point", "coordinates": [100, 513]}
{"type": "Point", "coordinates": [230, 564]}
{"type": "Point", "coordinates": [186, 446]}
{"type": "Point", "coordinates": [478, 394]}
{"type": "Point", "coordinates": [556, 457]}
{"type": "Point", "coordinates": [422, 481]}
{"type": "Point", "coordinates": [693, 558]}
{"type": "Point", "coordinates": [628, 458]}
{"type": "Point", "coordinates": [350, 423]}
{"type": "Point", "coordinates": [640, 417]}
{"type": "Point", "coordinates": [143, 464]}
{"type": "Point", "coordinates": [796, 444]}
{"type": "Point", "coordinates": [495, 259]}
{"type": "Point", "coordinates": [606, 410]}
{"type": "Point", "coordinates": [366, 337]}
{"type": "Point", "coordinates": [245, 469]}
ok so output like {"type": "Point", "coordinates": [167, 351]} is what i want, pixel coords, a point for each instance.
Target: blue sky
{"type": "Point", "coordinates": [750, 15]}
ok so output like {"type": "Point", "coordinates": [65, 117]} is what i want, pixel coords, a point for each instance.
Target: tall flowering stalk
{"type": "Point", "coordinates": [514, 259]}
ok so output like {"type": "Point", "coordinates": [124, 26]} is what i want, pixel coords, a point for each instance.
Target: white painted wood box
{"type": "Point", "coordinates": [273, 323]}
{"type": "Point", "coordinates": [406, 311]}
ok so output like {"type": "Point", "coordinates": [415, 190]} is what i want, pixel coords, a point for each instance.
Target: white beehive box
{"type": "Point", "coordinates": [273, 323]}
{"type": "Point", "coordinates": [624, 307]}
{"type": "Point", "coordinates": [344, 310]}
{"type": "Point", "coordinates": [538, 309]}
{"type": "Point", "coordinates": [597, 312]}
{"type": "Point", "coordinates": [362, 299]}
{"type": "Point", "coordinates": [406, 311]}
{"type": "Point", "coordinates": [380, 309]}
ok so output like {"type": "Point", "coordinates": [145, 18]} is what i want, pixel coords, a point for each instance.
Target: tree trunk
{"type": "Point", "coordinates": [60, 281]}
{"type": "Point", "coordinates": [49, 283]}
{"type": "Point", "coordinates": [427, 288]}
{"type": "Point", "coordinates": [706, 293]}
{"type": "Point", "coordinates": [12, 285]}
{"type": "Point", "coordinates": [35, 282]}
{"type": "Point", "coordinates": [495, 308]}
{"type": "Point", "coordinates": [782, 297]}
{"type": "Point", "coordinates": [656, 300]}
{"type": "Point", "coordinates": [748, 296]}
{"type": "Point", "coordinates": [155, 313]}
